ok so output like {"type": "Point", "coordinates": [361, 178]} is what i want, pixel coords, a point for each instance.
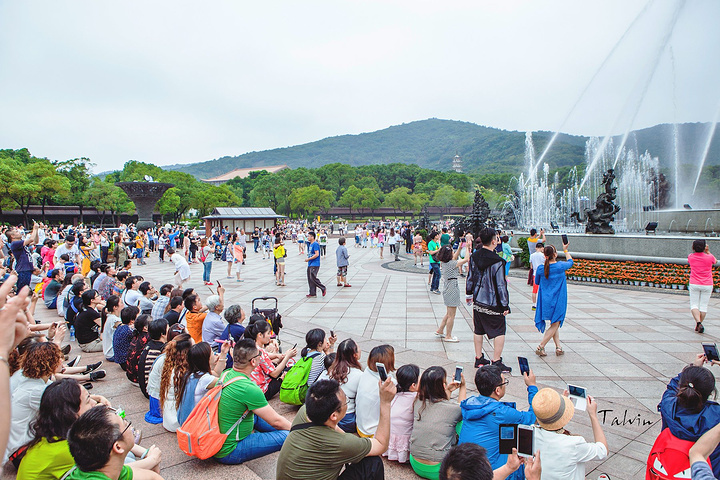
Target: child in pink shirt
{"type": "Point", "coordinates": [401, 413]}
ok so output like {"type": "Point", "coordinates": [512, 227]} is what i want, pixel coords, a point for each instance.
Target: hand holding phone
{"type": "Point", "coordinates": [381, 371]}
{"type": "Point", "coordinates": [564, 240]}
{"type": "Point", "coordinates": [458, 373]}
{"type": "Point", "coordinates": [524, 365]}
{"type": "Point", "coordinates": [711, 352]}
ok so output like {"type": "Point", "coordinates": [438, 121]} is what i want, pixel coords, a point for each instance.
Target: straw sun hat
{"type": "Point", "coordinates": [552, 410]}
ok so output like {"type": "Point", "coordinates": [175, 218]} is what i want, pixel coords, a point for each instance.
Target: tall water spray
{"type": "Point", "coordinates": [706, 150]}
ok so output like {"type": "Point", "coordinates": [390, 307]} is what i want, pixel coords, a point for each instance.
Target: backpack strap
{"type": "Point", "coordinates": [301, 426]}
{"type": "Point", "coordinates": [247, 410]}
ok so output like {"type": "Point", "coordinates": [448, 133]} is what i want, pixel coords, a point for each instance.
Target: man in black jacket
{"type": "Point", "coordinates": [486, 287]}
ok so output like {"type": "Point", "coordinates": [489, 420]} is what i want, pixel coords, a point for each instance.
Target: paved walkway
{"type": "Point", "coordinates": [622, 345]}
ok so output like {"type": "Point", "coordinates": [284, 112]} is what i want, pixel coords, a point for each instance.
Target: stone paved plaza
{"type": "Point", "coordinates": [622, 345]}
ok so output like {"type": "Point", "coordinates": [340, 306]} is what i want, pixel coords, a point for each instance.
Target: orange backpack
{"type": "Point", "coordinates": [200, 435]}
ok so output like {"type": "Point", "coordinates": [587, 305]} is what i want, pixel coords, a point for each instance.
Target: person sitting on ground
{"type": "Point", "coordinates": [686, 408]}
{"type": "Point", "coordinates": [39, 364]}
{"type": "Point", "coordinates": [137, 344]}
{"type": "Point", "coordinates": [436, 417]}
{"type": "Point", "coordinates": [484, 413]}
{"type": "Point", "coordinates": [74, 301]}
{"type": "Point", "coordinates": [317, 449]}
{"type": "Point", "coordinates": [564, 454]}
{"type": "Point", "coordinates": [157, 331]}
{"type": "Point", "coordinates": [243, 398]}
{"type": "Point", "coordinates": [131, 295]}
{"type": "Point", "coordinates": [401, 414]}
{"type": "Point", "coordinates": [160, 307]}
{"type": "Point", "coordinates": [110, 319]}
{"type": "Point", "coordinates": [267, 375]}
{"type": "Point", "coordinates": [123, 336]}
{"type": "Point", "coordinates": [146, 303]}
{"type": "Point", "coordinates": [346, 370]}
{"type": "Point", "coordinates": [317, 345]}
{"type": "Point", "coordinates": [175, 367]}
{"type": "Point", "coordinates": [195, 316]}
{"type": "Point", "coordinates": [99, 441]}
{"type": "Point", "coordinates": [367, 401]}
{"type": "Point", "coordinates": [234, 316]}
{"type": "Point", "coordinates": [469, 462]}
{"type": "Point", "coordinates": [65, 294]}
{"type": "Point", "coordinates": [52, 290]}
{"type": "Point", "coordinates": [175, 307]}
{"type": "Point", "coordinates": [154, 414]}
{"type": "Point", "coordinates": [88, 323]}
{"type": "Point", "coordinates": [48, 456]}
{"type": "Point", "coordinates": [214, 325]}
{"type": "Point", "coordinates": [205, 367]}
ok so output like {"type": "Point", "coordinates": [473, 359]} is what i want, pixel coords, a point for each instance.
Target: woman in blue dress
{"type": "Point", "coordinates": [552, 298]}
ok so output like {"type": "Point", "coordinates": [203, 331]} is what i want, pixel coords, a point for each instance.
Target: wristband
{"type": "Point", "coordinates": [3, 359]}
{"type": "Point", "coordinates": [565, 251]}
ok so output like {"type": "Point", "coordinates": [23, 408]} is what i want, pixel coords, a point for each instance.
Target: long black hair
{"type": "Point", "coordinates": [432, 387]}
{"type": "Point", "coordinates": [313, 339]}
{"type": "Point", "coordinates": [256, 328]}
{"type": "Point", "coordinates": [59, 407]}
{"type": "Point", "coordinates": [344, 361]}
{"type": "Point", "coordinates": [112, 302]}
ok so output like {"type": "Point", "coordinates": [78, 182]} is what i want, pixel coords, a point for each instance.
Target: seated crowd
{"type": "Point", "coordinates": [176, 348]}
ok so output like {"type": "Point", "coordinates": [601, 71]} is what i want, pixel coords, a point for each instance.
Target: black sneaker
{"type": "Point", "coordinates": [74, 362]}
{"type": "Point", "coordinates": [66, 349]}
{"type": "Point", "coordinates": [97, 375]}
{"type": "Point", "coordinates": [503, 367]}
{"type": "Point", "coordinates": [92, 367]}
{"type": "Point", "coordinates": [479, 362]}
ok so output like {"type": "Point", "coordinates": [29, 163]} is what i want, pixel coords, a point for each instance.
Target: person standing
{"type": "Point", "coordinates": [207, 252]}
{"type": "Point", "coordinates": [19, 249]}
{"type": "Point", "coordinates": [434, 247]}
{"type": "Point", "coordinates": [449, 265]}
{"type": "Point", "coordinates": [552, 298]}
{"type": "Point", "coordinates": [182, 268]}
{"type": "Point", "coordinates": [256, 239]}
{"type": "Point", "coordinates": [313, 266]}
{"type": "Point", "coordinates": [537, 259]}
{"type": "Point", "coordinates": [701, 281]}
{"type": "Point", "coordinates": [342, 256]}
{"type": "Point", "coordinates": [161, 244]}
{"type": "Point", "coordinates": [486, 289]}
{"type": "Point", "coordinates": [279, 255]}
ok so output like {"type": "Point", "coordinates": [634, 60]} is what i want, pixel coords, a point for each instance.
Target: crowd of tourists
{"type": "Point", "coordinates": [182, 349]}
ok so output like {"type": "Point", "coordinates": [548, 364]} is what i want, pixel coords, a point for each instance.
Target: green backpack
{"type": "Point", "coordinates": [294, 387]}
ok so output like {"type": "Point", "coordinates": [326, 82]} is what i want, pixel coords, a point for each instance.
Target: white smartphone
{"type": "Point", "coordinates": [526, 440]}
{"type": "Point", "coordinates": [381, 371]}
{"type": "Point", "coordinates": [578, 395]}
{"type": "Point", "coordinates": [458, 373]}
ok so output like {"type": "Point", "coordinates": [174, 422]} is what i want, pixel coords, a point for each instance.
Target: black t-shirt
{"type": "Point", "coordinates": [74, 307]}
{"type": "Point", "coordinates": [86, 330]}
{"type": "Point", "coordinates": [172, 317]}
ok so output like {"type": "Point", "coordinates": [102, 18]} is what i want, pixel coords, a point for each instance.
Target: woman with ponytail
{"type": "Point", "coordinates": [317, 344]}
{"type": "Point", "coordinates": [552, 298]}
{"type": "Point", "coordinates": [173, 378]}
{"type": "Point", "coordinates": [110, 318]}
{"type": "Point", "coordinates": [347, 370]}
{"type": "Point", "coordinates": [686, 408]}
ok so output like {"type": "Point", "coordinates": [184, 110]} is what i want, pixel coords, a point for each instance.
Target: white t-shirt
{"type": "Point", "coordinates": [564, 456]}
{"type": "Point", "coordinates": [71, 252]}
{"type": "Point", "coordinates": [201, 387]}
{"type": "Point", "coordinates": [131, 297]}
{"type": "Point", "coordinates": [181, 265]}
{"type": "Point", "coordinates": [536, 260]}
{"type": "Point", "coordinates": [153, 385]}
{"type": "Point", "coordinates": [367, 402]}
{"type": "Point", "coordinates": [25, 401]}
{"type": "Point", "coordinates": [111, 324]}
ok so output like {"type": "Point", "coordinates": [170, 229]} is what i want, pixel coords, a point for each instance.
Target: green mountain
{"type": "Point", "coordinates": [432, 143]}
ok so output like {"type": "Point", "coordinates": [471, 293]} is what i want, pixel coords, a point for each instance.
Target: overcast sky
{"type": "Point", "coordinates": [188, 81]}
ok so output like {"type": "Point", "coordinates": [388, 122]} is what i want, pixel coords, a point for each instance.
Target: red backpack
{"type": "Point", "coordinates": [669, 458]}
{"type": "Point", "coordinates": [200, 435]}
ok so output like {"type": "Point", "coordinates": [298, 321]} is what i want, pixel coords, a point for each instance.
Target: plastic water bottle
{"type": "Point", "coordinates": [72, 333]}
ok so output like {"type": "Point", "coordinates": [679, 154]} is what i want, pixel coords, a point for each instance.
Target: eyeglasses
{"type": "Point", "coordinates": [504, 383]}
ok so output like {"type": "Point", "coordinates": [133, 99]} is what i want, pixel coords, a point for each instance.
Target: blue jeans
{"type": "Point", "coordinates": [207, 266]}
{"type": "Point", "coordinates": [264, 441]}
{"type": "Point", "coordinates": [256, 242]}
{"type": "Point", "coordinates": [435, 269]}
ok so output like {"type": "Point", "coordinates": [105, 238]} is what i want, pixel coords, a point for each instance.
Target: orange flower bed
{"type": "Point", "coordinates": [635, 273]}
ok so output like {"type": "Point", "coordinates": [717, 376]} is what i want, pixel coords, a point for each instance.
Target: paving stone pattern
{"type": "Point", "coordinates": [623, 345]}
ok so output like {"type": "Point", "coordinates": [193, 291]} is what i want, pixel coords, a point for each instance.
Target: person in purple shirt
{"type": "Point", "coordinates": [18, 247]}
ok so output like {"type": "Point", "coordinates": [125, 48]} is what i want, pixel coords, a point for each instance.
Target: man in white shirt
{"type": "Point", "coordinates": [537, 260]}
{"type": "Point", "coordinates": [131, 296]}
{"type": "Point", "coordinates": [182, 268]}
{"type": "Point", "coordinates": [70, 247]}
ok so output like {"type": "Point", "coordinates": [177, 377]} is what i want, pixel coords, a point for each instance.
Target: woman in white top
{"type": "Point", "coordinates": [110, 317]}
{"type": "Point", "coordinates": [367, 398]}
{"type": "Point", "coordinates": [564, 455]}
{"type": "Point", "coordinates": [347, 371]}
{"type": "Point", "coordinates": [174, 370]}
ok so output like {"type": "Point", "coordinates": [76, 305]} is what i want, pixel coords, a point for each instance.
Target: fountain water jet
{"type": "Point", "coordinates": [706, 150]}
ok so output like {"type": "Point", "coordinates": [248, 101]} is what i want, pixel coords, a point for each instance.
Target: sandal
{"type": "Point", "coordinates": [699, 327]}
{"type": "Point", "coordinates": [559, 351]}
{"type": "Point", "coordinates": [540, 351]}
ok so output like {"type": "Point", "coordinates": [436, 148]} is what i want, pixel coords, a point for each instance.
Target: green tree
{"type": "Point", "coordinates": [400, 199]}
{"type": "Point", "coordinates": [370, 199]}
{"type": "Point", "coordinates": [443, 198]}
{"type": "Point", "coordinates": [311, 199]}
{"type": "Point", "coordinates": [77, 173]}
{"type": "Point", "coordinates": [207, 197]}
{"type": "Point", "coordinates": [352, 198]}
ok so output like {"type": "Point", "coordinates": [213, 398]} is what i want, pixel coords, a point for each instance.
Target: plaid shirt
{"type": "Point", "coordinates": [158, 310]}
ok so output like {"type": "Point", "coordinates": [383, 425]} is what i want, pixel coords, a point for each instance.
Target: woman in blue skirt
{"type": "Point", "coordinates": [552, 298]}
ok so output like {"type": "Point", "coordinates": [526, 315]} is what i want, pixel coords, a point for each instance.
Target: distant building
{"type": "Point", "coordinates": [242, 217]}
{"type": "Point", "coordinates": [457, 163]}
{"type": "Point", "coordinates": [242, 173]}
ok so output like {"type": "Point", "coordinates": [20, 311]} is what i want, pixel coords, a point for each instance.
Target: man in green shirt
{"type": "Point", "coordinates": [317, 449]}
{"type": "Point", "coordinates": [433, 246]}
{"type": "Point", "coordinates": [243, 408]}
{"type": "Point", "coordinates": [99, 441]}
{"type": "Point", "coordinates": [445, 237]}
